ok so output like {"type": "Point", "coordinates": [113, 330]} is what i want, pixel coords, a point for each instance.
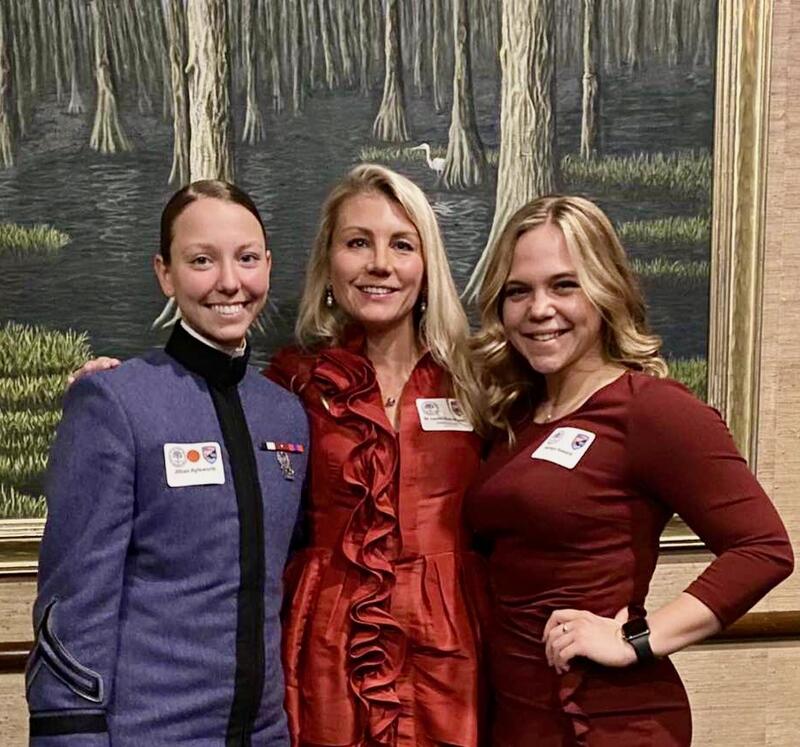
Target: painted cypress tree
{"type": "Point", "coordinates": [527, 166]}
{"type": "Point", "coordinates": [465, 163]}
{"type": "Point", "coordinates": [331, 79]}
{"type": "Point", "coordinates": [590, 116]}
{"type": "Point", "coordinates": [390, 123]}
{"type": "Point", "coordinates": [253, 121]}
{"type": "Point", "coordinates": [71, 52]}
{"type": "Point", "coordinates": [6, 142]}
{"type": "Point", "coordinates": [297, 62]}
{"type": "Point", "coordinates": [107, 135]}
{"type": "Point", "coordinates": [208, 79]}
{"type": "Point", "coordinates": [437, 67]}
{"type": "Point", "coordinates": [176, 40]}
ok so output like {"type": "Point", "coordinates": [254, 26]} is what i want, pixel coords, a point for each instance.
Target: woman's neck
{"type": "Point", "coordinates": [393, 348]}
{"type": "Point", "coordinates": [568, 389]}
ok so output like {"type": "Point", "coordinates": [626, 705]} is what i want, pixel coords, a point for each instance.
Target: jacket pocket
{"type": "Point", "coordinates": [50, 651]}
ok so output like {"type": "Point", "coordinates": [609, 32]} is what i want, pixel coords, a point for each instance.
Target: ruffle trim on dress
{"type": "Point", "coordinates": [376, 645]}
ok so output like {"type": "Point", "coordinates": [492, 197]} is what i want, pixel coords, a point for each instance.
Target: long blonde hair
{"type": "Point", "coordinates": [604, 275]}
{"type": "Point", "coordinates": [443, 328]}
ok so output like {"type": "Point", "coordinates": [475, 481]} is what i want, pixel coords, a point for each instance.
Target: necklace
{"type": "Point", "coordinates": [390, 402]}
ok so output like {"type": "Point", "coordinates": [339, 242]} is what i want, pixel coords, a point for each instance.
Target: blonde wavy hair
{"type": "Point", "coordinates": [604, 275]}
{"type": "Point", "coordinates": [443, 329]}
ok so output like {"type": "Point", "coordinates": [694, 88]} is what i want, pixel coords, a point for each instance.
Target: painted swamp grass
{"type": "Point", "coordinates": [682, 175]}
{"type": "Point", "coordinates": [692, 372]}
{"type": "Point", "coordinates": [34, 364]}
{"type": "Point", "coordinates": [21, 241]}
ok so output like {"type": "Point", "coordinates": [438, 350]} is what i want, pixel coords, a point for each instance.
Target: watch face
{"type": "Point", "coordinates": [634, 628]}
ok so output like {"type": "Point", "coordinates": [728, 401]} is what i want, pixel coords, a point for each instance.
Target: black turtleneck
{"type": "Point", "coordinates": [223, 373]}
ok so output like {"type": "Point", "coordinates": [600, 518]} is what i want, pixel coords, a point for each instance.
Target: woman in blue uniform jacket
{"type": "Point", "coordinates": [174, 484]}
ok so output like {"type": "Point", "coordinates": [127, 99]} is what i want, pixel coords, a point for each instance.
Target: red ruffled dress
{"type": "Point", "coordinates": [381, 621]}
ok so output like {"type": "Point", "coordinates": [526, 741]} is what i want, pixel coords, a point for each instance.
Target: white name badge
{"type": "Point", "coordinates": [193, 464]}
{"type": "Point", "coordinates": [565, 446]}
{"type": "Point", "coordinates": [442, 414]}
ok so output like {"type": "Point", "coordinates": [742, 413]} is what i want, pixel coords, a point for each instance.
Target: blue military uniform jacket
{"type": "Point", "coordinates": [157, 613]}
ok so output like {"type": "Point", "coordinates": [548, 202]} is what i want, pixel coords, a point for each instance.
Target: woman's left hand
{"type": "Point", "coordinates": [571, 633]}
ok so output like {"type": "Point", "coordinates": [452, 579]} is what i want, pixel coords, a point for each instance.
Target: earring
{"type": "Point", "coordinates": [329, 296]}
{"type": "Point", "coordinates": [423, 305]}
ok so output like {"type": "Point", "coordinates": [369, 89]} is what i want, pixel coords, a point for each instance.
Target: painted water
{"type": "Point", "coordinates": [102, 282]}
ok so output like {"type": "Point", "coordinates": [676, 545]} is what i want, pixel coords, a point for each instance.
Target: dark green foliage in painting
{"type": "Point", "coordinates": [34, 364]}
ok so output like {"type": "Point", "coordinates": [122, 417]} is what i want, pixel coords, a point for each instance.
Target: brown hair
{"type": "Point", "coordinates": [213, 188]}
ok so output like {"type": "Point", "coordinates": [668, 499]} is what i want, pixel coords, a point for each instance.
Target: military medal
{"type": "Point", "coordinates": [282, 450]}
{"type": "Point", "coordinates": [285, 465]}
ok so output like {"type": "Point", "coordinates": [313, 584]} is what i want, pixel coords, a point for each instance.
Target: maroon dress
{"type": "Point", "coordinates": [587, 537]}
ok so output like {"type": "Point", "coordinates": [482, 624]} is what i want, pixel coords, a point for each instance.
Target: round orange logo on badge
{"type": "Point", "coordinates": [193, 455]}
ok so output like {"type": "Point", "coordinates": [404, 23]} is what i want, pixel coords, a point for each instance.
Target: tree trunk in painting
{"type": "Point", "coordinates": [57, 50]}
{"type": "Point", "coordinates": [176, 37]}
{"type": "Point", "coordinates": [705, 14]}
{"type": "Point", "coordinates": [591, 86]}
{"type": "Point", "coordinates": [312, 39]}
{"type": "Point", "coordinates": [327, 50]}
{"type": "Point", "coordinates": [419, 43]}
{"type": "Point", "coordinates": [343, 28]}
{"type": "Point", "coordinates": [363, 47]}
{"type": "Point", "coordinates": [273, 42]}
{"type": "Point", "coordinates": [634, 34]}
{"type": "Point", "coordinates": [72, 50]}
{"type": "Point", "coordinates": [6, 146]}
{"type": "Point", "coordinates": [674, 43]}
{"type": "Point", "coordinates": [210, 154]}
{"type": "Point", "coordinates": [437, 24]}
{"type": "Point", "coordinates": [390, 124]}
{"type": "Point", "coordinates": [527, 166]}
{"type": "Point", "coordinates": [17, 66]}
{"type": "Point", "coordinates": [253, 121]}
{"type": "Point", "coordinates": [465, 164]}
{"type": "Point", "coordinates": [28, 10]}
{"type": "Point", "coordinates": [298, 91]}
{"type": "Point", "coordinates": [107, 135]}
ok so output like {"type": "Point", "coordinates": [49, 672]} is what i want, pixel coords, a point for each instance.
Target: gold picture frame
{"type": "Point", "coordinates": [741, 108]}
{"type": "Point", "coordinates": [740, 154]}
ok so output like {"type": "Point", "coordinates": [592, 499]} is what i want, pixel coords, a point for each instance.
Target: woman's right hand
{"type": "Point", "coordinates": [103, 363]}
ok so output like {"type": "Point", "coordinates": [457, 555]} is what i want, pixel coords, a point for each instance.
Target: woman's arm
{"type": "Point", "coordinates": [681, 454]}
{"type": "Point", "coordinates": [680, 623]}
{"type": "Point", "coordinates": [90, 491]}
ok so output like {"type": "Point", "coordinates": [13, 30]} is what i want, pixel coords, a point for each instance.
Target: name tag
{"type": "Point", "coordinates": [565, 446]}
{"type": "Point", "coordinates": [442, 414]}
{"type": "Point", "coordinates": [193, 464]}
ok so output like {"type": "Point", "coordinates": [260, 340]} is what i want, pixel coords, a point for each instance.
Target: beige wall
{"type": "Point", "coordinates": [741, 694]}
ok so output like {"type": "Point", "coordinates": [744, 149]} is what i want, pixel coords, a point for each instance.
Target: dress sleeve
{"type": "Point", "coordinates": [681, 453]}
{"type": "Point", "coordinates": [90, 498]}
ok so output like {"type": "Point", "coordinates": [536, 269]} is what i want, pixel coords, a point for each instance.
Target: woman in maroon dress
{"type": "Point", "coordinates": [596, 450]}
{"type": "Point", "coordinates": [380, 635]}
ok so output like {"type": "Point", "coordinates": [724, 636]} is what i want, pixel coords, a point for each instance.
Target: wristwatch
{"type": "Point", "coordinates": [637, 633]}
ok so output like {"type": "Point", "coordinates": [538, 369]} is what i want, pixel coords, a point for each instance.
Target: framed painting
{"type": "Point", "coordinates": [107, 107]}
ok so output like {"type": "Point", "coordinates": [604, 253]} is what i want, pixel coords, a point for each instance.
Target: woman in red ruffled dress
{"type": "Point", "coordinates": [380, 629]}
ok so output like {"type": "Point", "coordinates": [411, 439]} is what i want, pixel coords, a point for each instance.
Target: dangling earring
{"type": "Point", "coordinates": [423, 304]}
{"type": "Point", "coordinates": [329, 296]}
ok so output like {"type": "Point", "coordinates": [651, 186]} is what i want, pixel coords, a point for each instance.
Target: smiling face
{"type": "Point", "coordinates": [546, 315]}
{"type": "Point", "coordinates": [219, 269]}
{"type": "Point", "coordinates": [376, 264]}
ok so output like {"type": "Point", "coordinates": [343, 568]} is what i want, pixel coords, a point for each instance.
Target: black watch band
{"type": "Point", "coordinates": [637, 633]}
